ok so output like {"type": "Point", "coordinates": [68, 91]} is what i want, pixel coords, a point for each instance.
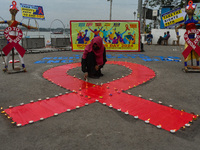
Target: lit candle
{"type": "Point", "coordinates": [19, 125]}
{"type": "Point", "coordinates": [31, 121]}
{"type": "Point", "coordinates": [55, 114]}
{"type": "Point", "coordinates": [159, 126]}
{"type": "Point", "coordinates": [173, 131]}
{"type": "Point", "coordinates": [126, 112]}
{"type": "Point", "coordinates": [118, 109]}
{"type": "Point", "coordinates": [147, 121]}
{"type": "Point", "coordinates": [187, 125]}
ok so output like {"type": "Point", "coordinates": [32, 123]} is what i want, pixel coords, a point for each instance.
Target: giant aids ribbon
{"type": "Point", "coordinates": [111, 94]}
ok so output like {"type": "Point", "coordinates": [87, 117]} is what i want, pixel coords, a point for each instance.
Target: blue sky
{"type": "Point", "coordinates": [67, 10]}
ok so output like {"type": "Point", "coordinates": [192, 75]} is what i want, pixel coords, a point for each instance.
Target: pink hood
{"type": "Point", "coordinates": [98, 53]}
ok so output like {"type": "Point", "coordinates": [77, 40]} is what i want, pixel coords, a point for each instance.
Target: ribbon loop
{"type": "Point", "coordinates": [14, 3]}
{"type": "Point", "coordinates": [190, 3]}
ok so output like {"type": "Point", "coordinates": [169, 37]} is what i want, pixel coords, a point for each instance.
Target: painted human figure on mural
{"type": "Point", "coordinates": [190, 23]}
{"type": "Point", "coordinates": [88, 37]}
{"type": "Point", "coordinates": [130, 38]}
{"type": "Point", "coordinates": [120, 35]}
{"type": "Point", "coordinates": [112, 34]}
{"type": "Point", "coordinates": [114, 40]}
{"type": "Point", "coordinates": [13, 23]}
{"type": "Point", "coordinates": [79, 33]}
{"type": "Point", "coordinates": [83, 38]}
{"type": "Point", "coordinates": [106, 33]}
{"type": "Point", "coordinates": [80, 38]}
{"type": "Point", "coordinates": [95, 31]}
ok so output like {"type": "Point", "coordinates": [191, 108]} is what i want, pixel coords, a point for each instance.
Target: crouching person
{"type": "Point", "coordinates": [94, 58]}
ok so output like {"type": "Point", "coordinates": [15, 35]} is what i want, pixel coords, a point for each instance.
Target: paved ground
{"type": "Point", "coordinates": [97, 126]}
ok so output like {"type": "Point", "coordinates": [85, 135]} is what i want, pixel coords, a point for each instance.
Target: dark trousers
{"type": "Point", "coordinates": [160, 40]}
{"type": "Point", "coordinates": [88, 65]}
{"type": "Point", "coordinates": [141, 46]}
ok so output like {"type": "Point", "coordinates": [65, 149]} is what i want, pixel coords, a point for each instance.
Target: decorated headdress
{"type": "Point", "coordinates": [190, 5]}
{"type": "Point", "coordinates": [14, 5]}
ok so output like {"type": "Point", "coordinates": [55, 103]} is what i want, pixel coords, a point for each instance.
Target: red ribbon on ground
{"type": "Point", "coordinates": [13, 35]}
{"type": "Point", "coordinates": [192, 45]}
{"type": "Point", "coordinates": [111, 94]}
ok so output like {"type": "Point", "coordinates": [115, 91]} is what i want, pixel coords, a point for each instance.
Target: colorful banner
{"type": "Point", "coordinates": [32, 11]}
{"type": "Point", "coordinates": [173, 17]}
{"type": "Point", "coordinates": [117, 35]}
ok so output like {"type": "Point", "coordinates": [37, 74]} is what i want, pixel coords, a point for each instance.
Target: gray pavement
{"type": "Point", "coordinates": [97, 126]}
